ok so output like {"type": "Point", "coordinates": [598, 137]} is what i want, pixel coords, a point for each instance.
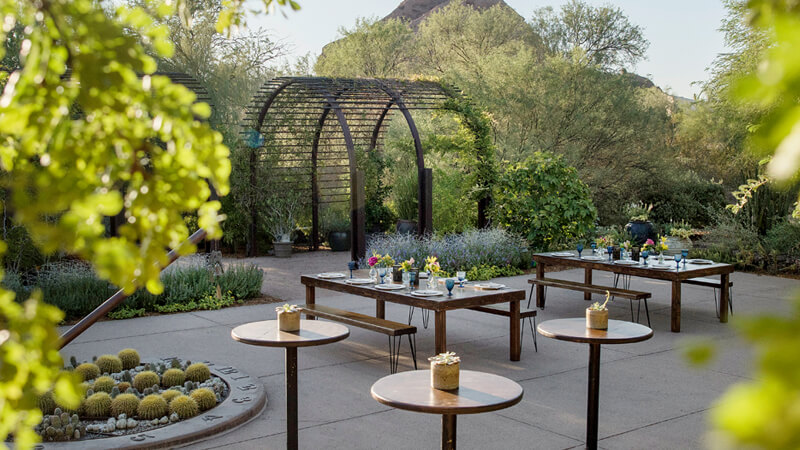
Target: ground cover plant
{"type": "Point", "coordinates": [485, 254]}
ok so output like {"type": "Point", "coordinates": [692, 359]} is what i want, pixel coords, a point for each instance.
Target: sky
{"type": "Point", "coordinates": [683, 34]}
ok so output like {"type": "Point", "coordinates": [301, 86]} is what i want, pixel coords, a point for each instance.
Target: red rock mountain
{"type": "Point", "coordinates": [415, 11]}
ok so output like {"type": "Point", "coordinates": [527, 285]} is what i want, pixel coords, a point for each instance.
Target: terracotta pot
{"type": "Point", "coordinates": [597, 319]}
{"type": "Point", "coordinates": [444, 376]}
{"type": "Point", "coordinates": [289, 321]}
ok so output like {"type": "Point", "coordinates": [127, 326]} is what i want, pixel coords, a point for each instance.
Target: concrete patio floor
{"type": "Point", "coordinates": [649, 396]}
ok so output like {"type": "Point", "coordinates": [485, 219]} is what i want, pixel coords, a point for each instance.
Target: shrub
{"type": "Point", "coordinates": [488, 247]}
{"type": "Point", "coordinates": [184, 406]}
{"type": "Point", "coordinates": [241, 280]}
{"type": "Point", "coordinates": [109, 364]}
{"type": "Point", "coordinates": [454, 211]}
{"type": "Point", "coordinates": [686, 197]}
{"type": "Point", "coordinates": [152, 407]}
{"type": "Point", "coordinates": [126, 404]}
{"type": "Point", "coordinates": [784, 238]}
{"type": "Point", "coordinates": [545, 201]}
{"type": "Point", "coordinates": [72, 287]}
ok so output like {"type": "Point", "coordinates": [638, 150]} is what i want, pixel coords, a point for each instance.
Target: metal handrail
{"type": "Point", "coordinates": [112, 302]}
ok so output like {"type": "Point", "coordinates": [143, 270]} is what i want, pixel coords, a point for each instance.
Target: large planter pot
{"type": "Point", "coordinates": [282, 249]}
{"type": "Point", "coordinates": [406, 226]}
{"type": "Point", "coordinates": [339, 241]}
{"type": "Point", "coordinates": [444, 376]}
{"type": "Point", "coordinates": [641, 231]}
{"type": "Point", "coordinates": [677, 244]}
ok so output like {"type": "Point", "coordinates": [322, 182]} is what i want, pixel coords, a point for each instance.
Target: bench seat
{"type": "Point", "coordinates": [591, 288]}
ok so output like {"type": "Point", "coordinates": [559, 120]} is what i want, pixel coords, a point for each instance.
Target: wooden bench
{"type": "Point", "coordinates": [592, 289]}
{"type": "Point", "coordinates": [383, 326]}
{"type": "Point", "coordinates": [504, 309]}
{"type": "Point", "coordinates": [714, 284]}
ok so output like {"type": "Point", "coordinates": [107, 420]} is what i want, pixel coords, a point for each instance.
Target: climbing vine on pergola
{"type": "Point", "coordinates": [308, 130]}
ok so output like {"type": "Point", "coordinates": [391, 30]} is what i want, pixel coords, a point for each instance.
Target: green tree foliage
{"type": "Point", "coordinates": [600, 35]}
{"type": "Point", "coordinates": [545, 201]}
{"type": "Point", "coordinates": [372, 48]}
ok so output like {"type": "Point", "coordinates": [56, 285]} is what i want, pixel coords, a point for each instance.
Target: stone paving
{"type": "Point", "coordinates": [649, 396]}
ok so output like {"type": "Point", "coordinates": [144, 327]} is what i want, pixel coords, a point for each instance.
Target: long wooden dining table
{"type": "Point", "coordinates": [462, 298]}
{"type": "Point", "coordinates": [675, 277]}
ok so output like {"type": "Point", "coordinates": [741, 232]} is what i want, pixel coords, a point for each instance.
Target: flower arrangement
{"type": "Point", "coordinates": [385, 261]}
{"type": "Point", "coordinates": [604, 241]}
{"type": "Point", "coordinates": [648, 246]}
{"type": "Point", "coordinates": [287, 308]}
{"type": "Point", "coordinates": [626, 245]}
{"type": "Point", "coordinates": [432, 265]}
{"type": "Point", "coordinates": [407, 265]}
{"type": "Point", "coordinates": [373, 260]}
{"type": "Point", "coordinates": [447, 358]}
{"type": "Point", "coordinates": [661, 245]}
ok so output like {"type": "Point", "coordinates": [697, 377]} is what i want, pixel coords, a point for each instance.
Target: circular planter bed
{"type": "Point", "coordinates": [236, 398]}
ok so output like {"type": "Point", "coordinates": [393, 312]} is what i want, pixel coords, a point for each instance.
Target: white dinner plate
{"type": "Point", "coordinates": [359, 281]}
{"type": "Point", "coordinates": [442, 280]}
{"type": "Point", "coordinates": [626, 262]}
{"type": "Point", "coordinates": [331, 275]}
{"type": "Point", "coordinates": [389, 287]}
{"type": "Point", "coordinates": [701, 262]}
{"type": "Point", "coordinates": [427, 293]}
{"type": "Point", "coordinates": [562, 254]}
{"type": "Point", "coordinates": [592, 258]}
{"type": "Point", "coordinates": [661, 266]}
{"type": "Point", "coordinates": [490, 286]}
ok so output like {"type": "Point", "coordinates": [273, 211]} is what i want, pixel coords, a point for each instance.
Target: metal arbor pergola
{"type": "Point", "coordinates": [309, 130]}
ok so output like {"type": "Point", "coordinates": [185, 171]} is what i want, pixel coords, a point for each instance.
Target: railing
{"type": "Point", "coordinates": [112, 302]}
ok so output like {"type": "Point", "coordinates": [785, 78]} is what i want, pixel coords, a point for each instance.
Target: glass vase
{"type": "Point", "coordinates": [373, 274]}
{"type": "Point", "coordinates": [432, 281]}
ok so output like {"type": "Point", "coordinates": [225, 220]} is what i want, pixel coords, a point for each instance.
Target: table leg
{"type": "Point", "coordinates": [676, 307]}
{"type": "Point", "coordinates": [539, 288]}
{"type": "Point", "coordinates": [440, 325]}
{"type": "Point", "coordinates": [448, 431]}
{"type": "Point", "coordinates": [724, 297]}
{"type": "Point", "coordinates": [593, 404]}
{"type": "Point", "coordinates": [516, 342]}
{"type": "Point", "coordinates": [380, 309]}
{"type": "Point", "coordinates": [311, 298]}
{"type": "Point", "coordinates": [291, 398]}
{"type": "Point", "coordinates": [587, 279]}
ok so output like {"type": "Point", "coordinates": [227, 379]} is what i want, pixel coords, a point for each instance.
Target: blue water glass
{"type": "Point", "coordinates": [645, 254]}
{"type": "Point", "coordinates": [678, 262]}
{"type": "Point", "coordinates": [594, 247]}
{"type": "Point", "coordinates": [461, 277]}
{"type": "Point", "coordinates": [352, 265]}
{"type": "Point", "coordinates": [580, 249]}
{"type": "Point", "coordinates": [382, 273]}
{"type": "Point", "coordinates": [610, 251]}
{"type": "Point", "coordinates": [684, 254]}
{"type": "Point", "coordinates": [411, 277]}
{"type": "Point", "coordinates": [449, 284]}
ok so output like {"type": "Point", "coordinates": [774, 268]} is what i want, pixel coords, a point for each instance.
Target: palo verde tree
{"type": "Point", "coordinates": [140, 144]}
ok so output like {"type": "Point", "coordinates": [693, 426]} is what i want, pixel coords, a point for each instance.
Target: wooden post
{"type": "Point", "coordinates": [291, 398]}
{"type": "Point", "coordinates": [440, 331]}
{"type": "Point", "coordinates": [425, 204]}
{"type": "Point", "coordinates": [358, 218]}
{"type": "Point", "coordinates": [676, 307]}
{"type": "Point", "coordinates": [539, 287]}
{"type": "Point", "coordinates": [311, 299]}
{"type": "Point", "coordinates": [724, 296]}
{"type": "Point", "coordinates": [587, 279]}
{"type": "Point", "coordinates": [380, 309]}
{"type": "Point", "coordinates": [515, 341]}
{"type": "Point", "coordinates": [448, 431]}
{"type": "Point", "coordinates": [593, 404]}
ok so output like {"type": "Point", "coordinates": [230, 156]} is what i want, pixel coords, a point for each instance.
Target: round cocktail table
{"type": "Point", "coordinates": [574, 330]}
{"type": "Point", "coordinates": [478, 392]}
{"type": "Point", "coordinates": [312, 332]}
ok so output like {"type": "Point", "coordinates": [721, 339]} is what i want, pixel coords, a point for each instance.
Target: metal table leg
{"type": "Point", "coordinates": [448, 431]}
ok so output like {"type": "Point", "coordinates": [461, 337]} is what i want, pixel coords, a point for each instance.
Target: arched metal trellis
{"type": "Point", "coordinates": [309, 131]}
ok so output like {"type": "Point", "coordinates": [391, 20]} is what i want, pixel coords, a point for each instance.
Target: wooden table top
{"type": "Point", "coordinates": [574, 330]}
{"type": "Point", "coordinates": [685, 272]}
{"type": "Point", "coordinates": [312, 332]}
{"type": "Point", "coordinates": [478, 392]}
{"type": "Point", "coordinates": [462, 297]}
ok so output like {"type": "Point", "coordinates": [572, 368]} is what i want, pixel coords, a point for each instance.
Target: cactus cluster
{"type": "Point", "coordinates": [172, 377]}
{"type": "Point", "coordinates": [129, 357]}
{"type": "Point", "coordinates": [88, 371]}
{"type": "Point", "coordinates": [144, 380]}
{"type": "Point", "coordinates": [170, 394]}
{"type": "Point", "coordinates": [98, 405]}
{"type": "Point", "coordinates": [184, 406]}
{"type": "Point", "coordinates": [198, 372]}
{"type": "Point", "coordinates": [152, 407]}
{"type": "Point", "coordinates": [109, 364]}
{"type": "Point", "coordinates": [127, 404]}
{"type": "Point", "coordinates": [204, 397]}
{"type": "Point", "coordinates": [60, 426]}
{"type": "Point", "coordinates": [103, 384]}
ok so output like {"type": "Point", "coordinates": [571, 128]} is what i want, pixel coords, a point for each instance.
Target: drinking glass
{"type": "Point", "coordinates": [594, 248]}
{"type": "Point", "coordinates": [411, 277]}
{"type": "Point", "coordinates": [449, 284]}
{"type": "Point", "coordinates": [382, 273]}
{"type": "Point", "coordinates": [461, 276]}
{"type": "Point", "coordinates": [580, 250]}
{"type": "Point", "coordinates": [678, 262]}
{"type": "Point", "coordinates": [610, 251]}
{"type": "Point", "coordinates": [352, 265]}
{"type": "Point", "coordinates": [684, 254]}
{"type": "Point", "coordinates": [645, 253]}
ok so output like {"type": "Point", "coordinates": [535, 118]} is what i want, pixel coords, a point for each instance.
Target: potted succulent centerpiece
{"type": "Point", "coordinates": [445, 369]}
{"type": "Point", "coordinates": [433, 269]}
{"type": "Point", "coordinates": [597, 315]}
{"type": "Point", "coordinates": [639, 225]}
{"type": "Point", "coordinates": [288, 317]}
